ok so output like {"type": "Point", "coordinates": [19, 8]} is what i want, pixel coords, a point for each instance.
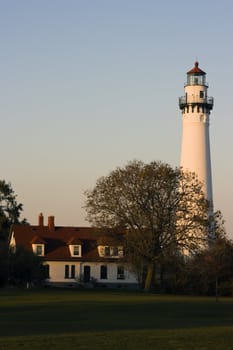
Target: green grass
{"type": "Point", "coordinates": [69, 319]}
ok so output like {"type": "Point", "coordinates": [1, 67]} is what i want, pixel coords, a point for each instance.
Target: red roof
{"type": "Point", "coordinates": [196, 69]}
{"type": "Point", "coordinates": [57, 241]}
{"type": "Point", "coordinates": [37, 240]}
{"type": "Point", "coordinates": [74, 241]}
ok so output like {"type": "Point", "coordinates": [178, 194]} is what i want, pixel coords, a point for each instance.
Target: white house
{"type": "Point", "coordinates": [75, 254]}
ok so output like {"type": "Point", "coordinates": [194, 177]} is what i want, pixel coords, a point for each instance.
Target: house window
{"type": "Point", "coordinates": [121, 252]}
{"type": "Point", "coordinates": [67, 269]}
{"type": "Point", "coordinates": [115, 251]}
{"type": "Point", "coordinates": [72, 274]}
{"type": "Point", "coordinates": [107, 251]}
{"type": "Point", "coordinates": [39, 249]}
{"type": "Point", "coordinates": [103, 272]}
{"type": "Point", "coordinates": [76, 250]}
{"type": "Point", "coordinates": [120, 273]}
{"type": "Point", "coordinates": [70, 271]}
{"type": "Point", "coordinates": [111, 251]}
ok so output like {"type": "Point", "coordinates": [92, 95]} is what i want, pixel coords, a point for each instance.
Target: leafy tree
{"type": "Point", "coordinates": [25, 267]}
{"type": "Point", "coordinates": [9, 208]}
{"type": "Point", "coordinates": [162, 209]}
{"type": "Point", "coordinates": [3, 263]}
{"type": "Point", "coordinates": [172, 274]}
{"type": "Point", "coordinates": [213, 266]}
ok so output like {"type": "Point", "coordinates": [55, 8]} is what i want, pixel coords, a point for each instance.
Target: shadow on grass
{"type": "Point", "coordinates": [37, 313]}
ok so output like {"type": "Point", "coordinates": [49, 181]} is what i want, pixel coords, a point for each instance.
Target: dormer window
{"type": "Point", "coordinates": [115, 251]}
{"type": "Point", "coordinates": [75, 247]}
{"type": "Point", "coordinates": [110, 251]}
{"type": "Point", "coordinates": [38, 246]}
{"type": "Point", "coordinates": [38, 249]}
{"type": "Point", "coordinates": [75, 250]}
{"type": "Point", "coordinates": [107, 251]}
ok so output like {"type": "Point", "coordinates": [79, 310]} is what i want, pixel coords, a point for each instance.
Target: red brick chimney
{"type": "Point", "coordinates": [41, 220]}
{"type": "Point", "coordinates": [51, 223]}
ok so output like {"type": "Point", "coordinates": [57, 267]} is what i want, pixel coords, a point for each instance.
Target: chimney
{"type": "Point", "coordinates": [41, 220]}
{"type": "Point", "coordinates": [51, 223]}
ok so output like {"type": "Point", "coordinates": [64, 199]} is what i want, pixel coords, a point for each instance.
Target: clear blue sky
{"type": "Point", "coordinates": [89, 85]}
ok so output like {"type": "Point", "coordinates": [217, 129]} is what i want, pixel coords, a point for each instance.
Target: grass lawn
{"type": "Point", "coordinates": [74, 319]}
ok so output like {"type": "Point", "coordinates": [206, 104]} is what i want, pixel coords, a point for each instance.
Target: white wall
{"type": "Point", "coordinates": [57, 272]}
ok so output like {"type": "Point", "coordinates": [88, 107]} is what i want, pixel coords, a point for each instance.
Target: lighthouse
{"type": "Point", "coordinates": [196, 106]}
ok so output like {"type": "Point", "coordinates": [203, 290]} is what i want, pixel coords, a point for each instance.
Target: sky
{"type": "Point", "coordinates": [87, 86]}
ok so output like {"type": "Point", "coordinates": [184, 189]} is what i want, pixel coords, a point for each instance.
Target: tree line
{"type": "Point", "coordinates": [172, 240]}
{"type": "Point", "coordinates": [17, 267]}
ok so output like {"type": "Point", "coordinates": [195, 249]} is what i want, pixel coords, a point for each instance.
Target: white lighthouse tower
{"type": "Point", "coordinates": [196, 107]}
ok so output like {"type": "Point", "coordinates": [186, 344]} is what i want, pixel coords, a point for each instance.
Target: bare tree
{"type": "Point", "coordinates": [163, 211]}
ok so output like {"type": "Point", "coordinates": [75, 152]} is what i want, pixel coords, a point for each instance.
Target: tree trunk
{"type": "Point", "coordinates": [149, 277]}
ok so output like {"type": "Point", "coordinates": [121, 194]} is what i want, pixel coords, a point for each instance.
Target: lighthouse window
{"type": "Point", "coordinates": [201, 94]}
